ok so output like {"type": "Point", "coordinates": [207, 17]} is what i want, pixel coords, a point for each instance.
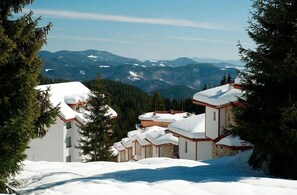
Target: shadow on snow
{"type": "Point", "coordinates": [214, 171]}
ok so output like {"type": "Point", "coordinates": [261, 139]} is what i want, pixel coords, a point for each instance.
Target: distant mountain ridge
{"type": "Point", "coordinates": [217, 61]}
{"type": "Point", "coordinates": [89, 57]}
{"type": "Point", "coordinates": [149, 75]}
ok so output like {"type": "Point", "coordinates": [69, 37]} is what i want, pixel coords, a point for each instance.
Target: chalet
{"type": "Point", "coordinates": [143, 148]}
{"type": "Point", "coordinates": [219, 116]}
{"type": "Point", "coordinates": [186, 136]}
{"type": "Point", "coordinates": [161, 118]}
{"type": "Point", "coordinates": [128, 144]}
{"type": "Point", "coordinates": [193, 143]}
{"type": "Point", "coordinates": [121, 154]}
{"type": "Point", "coordinates": [163, 144]}
{"type": "Point", "coordinates": [62, 137]}
{"type": "Point", "coordinates": [145, 143]}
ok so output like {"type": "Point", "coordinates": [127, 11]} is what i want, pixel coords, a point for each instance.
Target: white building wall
{"type": "Point", "coordinates": [75, 137]}
{"type": "Point", "coordinates": [53, 147]}
{"type": "Point", "coordinates": [50, 147]}
{"type": "Point", "coordinates": [191, 149]}
{"type": "Point", "coordinates": [211, 126]}
{"type": "Point", "coordinates": [204, 150]}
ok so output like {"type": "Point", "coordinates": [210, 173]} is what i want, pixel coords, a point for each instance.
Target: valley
{"type": "Point", "coordinates": [167, 76]}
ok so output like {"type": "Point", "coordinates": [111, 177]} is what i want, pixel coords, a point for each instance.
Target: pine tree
{"type": "Point", "coordinates": [229, 78]}
{"type": "Point", "coordinates": [47, 113]}
{"type": "Point", "coordinates": [128, 101]}
{"type": "Point", "coordinates": [20, 120]}
{"type": "Point", "coordinates": [157, 102]}
{"type": "Point", "coordinates": [226, 79]}
{"type": "Point", "coordinates": [268, 115]}
{"type": "Point", "coordinates": [223, 80]}
{"type": "Point", "coordinates": [96, 139]}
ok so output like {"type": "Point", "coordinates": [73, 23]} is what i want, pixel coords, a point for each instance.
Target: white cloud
{"type": "Point", "coordinates": [82, 38]}
{"type": "Point", "coordinates": [117, 18]}
{"type": "Point", "coordinates": [203, 40]}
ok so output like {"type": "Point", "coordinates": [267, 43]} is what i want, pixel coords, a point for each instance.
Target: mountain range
{"type": "Point", "coordinates": [167, 76]}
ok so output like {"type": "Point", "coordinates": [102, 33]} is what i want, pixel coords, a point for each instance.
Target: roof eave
{"type": "Point", "coordinates": [213, 106]}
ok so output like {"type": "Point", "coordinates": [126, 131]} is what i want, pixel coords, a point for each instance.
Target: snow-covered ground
{"type": "Point", "coordinates": [152, 176]}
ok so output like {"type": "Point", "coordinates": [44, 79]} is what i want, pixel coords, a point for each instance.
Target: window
{"type": "Point", "coordinates": [214, 116]}
{"type": "Point", "coordinates": [68, 142]}
{"type": "Point", "coordinates": [68, 158]}
{"type": "Point", "coordinates": [68, 125]}
{"type": "Point", "coordinates": [186, 147]}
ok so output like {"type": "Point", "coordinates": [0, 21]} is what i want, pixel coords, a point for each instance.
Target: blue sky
{"type": "Point", "coordinates": [147, 29]}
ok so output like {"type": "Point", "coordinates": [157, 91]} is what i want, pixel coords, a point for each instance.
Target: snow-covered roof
{"type": "Point", "coordinates": [111, 112]}
{"type": "Point", "coordinates": [137, 126]}
{"type": "Point", "coordinates": [72, 99]}
{"type": "Point", "coordinates": [191, 127]}
{"type": "Point", "coordinates": [141, 138]}
{"type": "Point", "coordinates": [148, 135]}
{"type": "Point", "coordinates": [160, 137]}
{"type": "Point", "coordinates": [119, 146]}
{"type": "Point", "coordinates": [238, 80]}
{"type": "Point", "coordinates": [234, 141]}
{"type": "Point", "coordinates": [127, 142]}
{"type": "Point", "coordinates": [133, 134]}
{"type": "Point", "coordinates": [218, 96]}
{"type": "Point", "coordinates": [163, 116]}
{"type": "Point", "coordinates": [142, 141]}
{"type": "Point", "coordinates": [70, 93]}
{"type": "Point", "coordinates": [151, 136]}
{"type": "Point", "coordinates": [114, 151]}
{"type": "Point", "coordinates": [80, 117]}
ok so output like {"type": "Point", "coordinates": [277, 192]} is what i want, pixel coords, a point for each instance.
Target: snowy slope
{"type": "Point", "coordinates": [152, 176]}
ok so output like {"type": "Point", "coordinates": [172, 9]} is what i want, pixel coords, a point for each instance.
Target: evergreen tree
{"type": "Point", "coordinates": [129, 102]}
{"type": "Point", "coordinates": [268, 115]}
{"type": "Point", "coordinates": [47, 114]}
{"type": "Point", "coordinates": [157, 102]}
{"type": "Point", "coordinates": [229, 79]}
{"type": "Point", "coordinates": [21, 117]}
{"type": "Point", "coordinates": [226, 79]}
{"type": "Point", "coordinates": [223, 80]}
{"type": "Point", "coordinates": [96, 139]}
